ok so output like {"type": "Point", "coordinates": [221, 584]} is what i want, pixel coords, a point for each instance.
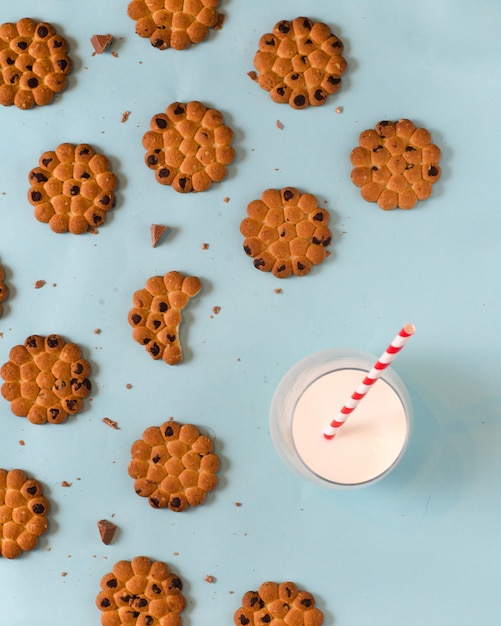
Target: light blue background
{"type": "Point", "coordinates": [420, 547]}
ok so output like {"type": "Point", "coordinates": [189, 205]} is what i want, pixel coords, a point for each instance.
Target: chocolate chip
{"type": "Point", "coordinates": [158, 43]}
{"type": "Point", "coordinates": [284, 27]}
{"type": "Point", "coordinates": [152, 159]}
{"type": "Point", "coordinates": [374, 168]}
{"type": "Point", "coordinates": [146, 341]}
{"type": "Point", "coordinates": [243, 620]}
{"type": "Point", "coordinates": [54, 413]}
{"type": "Point", "coordinates": [36, 196]}
{"type": "Point", "coordinates": [259, 263]}
{"type": "Point", "coordinates": [136, 318]}
{"type": "Point", "coordinates": [288, 591]}
{"type": "Point", "coordinates": [148, 620]}
{"type": "Point", "coordinates": [71, 405]}
{"type": "Point", "coordinates": [176, 582]}
{"type": "Point", "coordinates": [39, 509]}
{"type": "Point", "coordinates": [10, 61]}
{"type": "Point", "coordinates": [105, 602]}
{"type": "Point", "coordinates": [85, 175]}
{"type": "Point", "coordinates": [156, 324]}
{"type": "Point", "coordinates": [378, 148]}
{"type": "Point", "coordinates": [319, 95]}
{"type": "Point", "coordinates": [162, 307]}
{"type": "Point", "coordinates": [169, 431]}
{"type": "Point", "coordinates": [164, 173]}
{"type": "Point", "coordinates": [160, 122]}
{"type": "Point", "coordinates": [175, 503]}
{"type": "Point", "coordinates": [318, 217]}
{"type": "Point", "coordinates": [294, 76]}
{"type": "Point", "coordinates": [156, 458]}
{"type": "Point", "coordinates": [432, 170]}
{"type": "Point", "coordinates": [308, 41]}
{"type": "Point", "coordinates": [62, 64]}
{"type": "Point", "coordinates": [182, 182]}
{"type": "Point", "coordinates": [409, 166]}
{"type": "Point", "coordinates": [105, 200]}
{"type": "Point", "coordinates": [29, 68]}
{"type": "Point", "coordinates": [32, 490]}
{"type": "Point", "coordinates": [46, 161]}
{"type": "Point", "coordinates": [307, 23]}
{"type": "Point", "coordinates": [266, 619]}
{"type": "Point", "coordinates": [57, 43]}
{"type": "Point", "coordinates": [32, 83]}
{"type": "Point", "coordinates": [337, 44]}
{"type": "Point", "coordinates": [299, 101]}
{"type": "Point", "coordinates": [141, 602]}
{"type": "Point", "coordinates": [74, 190]}
{"type": "Point", "coordinates": [42, 31]}
{"type": "Point", "coordinates": [155, 588]}
{"type": "Point", "coordinates": [84, 151]}
{"type": "Point", "coordinates": [22, 45]}
{"type": "Point", "coordinates": [14, 78]}
{"type": "Point", "coordinates": [281, 268]}
{"type": "Point", "coordinates": [300, 266]}
{"type": "Point", "coordinates": [288, 194]}
{"type": "Point", "coordinates": [247, 250]}
{"type": "Point", "coordinates": [52, 341]}
{"type": "Point", "coordinates": [171, 338]}
{"type": "Point", "coordinates": [32, 342]}
{"type": "Point", "coordinates": [281, 91]}
{"type": "Point", "coordinates": [306, 602]}
{"type": "Point", "coordinates": [270, 42]}
{"type": "Point", "coordinates": [112, 583]}
{"type": "Point", "coordinates": [155, 349]}
{"type": "Point", "coordinates": [40, 178]}
{"type": "Point", "coordinates": [155, 502]}
{"type": "Point", "coordinates": [179, 110]}
{"type": "Point", "coordinates": [97, 219]}
{"type": "Point", "coordinates": [410, 149]}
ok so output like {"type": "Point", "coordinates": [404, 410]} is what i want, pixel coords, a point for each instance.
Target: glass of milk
{"type": "Point", "coordinates": [367, 446]}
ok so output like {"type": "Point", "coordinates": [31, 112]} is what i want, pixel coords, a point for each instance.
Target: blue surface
{"type": "Point", "coordinates": [421, 546]}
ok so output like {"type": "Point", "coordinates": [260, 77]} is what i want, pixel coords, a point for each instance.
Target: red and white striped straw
{"type": "Point", "coordinates": [384, 361]}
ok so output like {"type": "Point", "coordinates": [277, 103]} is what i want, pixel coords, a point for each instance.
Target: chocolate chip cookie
{"type": "Point", "coordinates": [189, 146]}
{"type": "Point", "coordinates": [300, 63]}
{"type": "Point", "coordinates": [396, 164]}
{"type": "Point", "coordinates": [286, 232]}
{"type": "Point", "coordinates": [156, 314]}
{"type": "Point", "coordinates": [45, 379]}
{"type": "Point", "coordinates": [34, 63]}
{"type": "Point", "coordinates": [174, 23]}
{"type": "Point", "coordinates": [174, 466]}
{"type": "Point", "coordinates": [23, 513]}
{"type": "Point", "coordinates": [141, 592]}
{"type": "Point", "coordinates": [72, 189]}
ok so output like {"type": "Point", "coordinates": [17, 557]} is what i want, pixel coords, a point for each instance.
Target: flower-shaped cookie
{"type": "Point", "coordinates": [46, 379]}
{"type": "Point", "coordinates": [286, 232]}
{"type": "Point", "coordinates": [141, 592]}
{"type": "Point", "coordinates": [174, 466]}
{"type": "Point", "coordinates": [23, 510]}
{"type": "Point", "coordinates": [174, 23]}
{"type": "Point", "coordinates": [188, 146]}
{"type": "Point", "coordinates": [34, 63]}
{"type": "Point", "coordinates": [156, 314]}
{"type": "Point", "coordinates": [280, 603]}
{"type": "Point", "coordinates": [4, 290]}
{"type": "Point", "coordinates": [395, 164]}
{"type": "Point", "coordinates": [72, 189]}
{"type": "Point", "coordinates": [300, 63]}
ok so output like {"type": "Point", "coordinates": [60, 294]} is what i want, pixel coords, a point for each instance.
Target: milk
{"type": "Point", "coordinates": [371, 441]}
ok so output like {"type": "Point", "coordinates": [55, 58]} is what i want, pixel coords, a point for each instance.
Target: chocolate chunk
{"type": "Point", "coordinates": [106, 530]}
{"type": "Point", "coordinates": [101, 42]}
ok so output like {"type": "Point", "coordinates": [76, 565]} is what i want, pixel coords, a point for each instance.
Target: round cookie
{"type": "Point", "coordinates": [174, 23]}
{"type": "Point", "coordinates": [23, 510]}
{"type": "Point", "coordinates": [156, 314]}
{"type": "Point", "coordinates": [34, 63]}
{"type": "Point", "coordinates": [188, 146]}
{"type": "Point", "coordinates": [4, 290]}
{"type": "Point", "coordinates": [174, 466]}
{"type": "Point", "coordinates": [286, 232]}
{"type": "Point", "coordinates": [278, 603]}
{"type": "Point", "coordinates": [72, 189]}
{"type": "Point", "coordinates": [45, 379]}
{"type": "Point", "coordinates": [300, 63]}
{"type": "Point", "coordinates": [141, 592]}
{"type": "Point", "coordinates": [396, 164]}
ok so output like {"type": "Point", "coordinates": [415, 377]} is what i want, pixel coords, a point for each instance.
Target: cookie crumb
{"type": "Point", "coordinates": [97, 331]}
{"type": "Point", "coordinates": [64, 574]}
{"type": "Point", "coordinates": [209, 579]}
{"type": "Point", "coordinates": [110, 422]}
{"type": "Point", "coordinates": [339, 110]}
{"type": "Point", "coordinates": [278, 290]}
{"type": "Point", "coordinates": [128, 386]}
{"type": "Point", "coordinates": [226, 199]}
{"type": "Point", "coordinates": [106, 530]}
{"type": "Point", "coordinates": [101, 42]}
{"type": "Point", "coordinates": [205, 246]}
{"type": "Point", "coordinates": [216, 310]}
{"type": "Point", "coordinates": [238, 504]}
{"type": "Point", "coordinates": [252, 75]}
{"type": "Point", "coordinates": [125, 116]}
{"type": "Point", "coordinates": [175, 553]}
{"type": "Point", "coordinates": [92, 230]}
{"type": "Point", "coordinates": [279, 124]}
{"type": "Point", "coordinates": [21, 442]}
{"type": "Point", "coordinates": [157, 231]}
{"type": "Point", "coordinates": [39, 284]}
{"type": "Point", "coordinates": [114, 54]}
{"type": "Point", "coordinates": [65, 483]}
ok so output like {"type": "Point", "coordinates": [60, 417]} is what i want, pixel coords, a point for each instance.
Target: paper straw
{"type": "Point", "coordinates": [384, 361]}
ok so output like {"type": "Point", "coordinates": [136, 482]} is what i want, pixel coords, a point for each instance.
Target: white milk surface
{"type": "Point", "coordinates": [367, 444]}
